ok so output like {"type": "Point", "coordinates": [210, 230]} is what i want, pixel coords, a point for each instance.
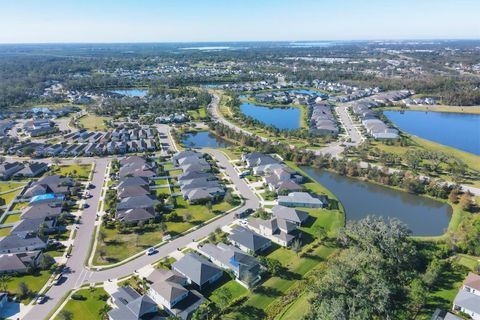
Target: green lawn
{"type": "Point", "coordinates": [89, 308]}
{"type": "Point", "coordinates": [118, 246]}
{"type": "Point", "coordinates": [161, 182]}
{"type": "Point", "coordinates": [296, 310]}
{"type": "Point", "coordinates": [443, 295]}
{"type": "Point", "coordinates": [93, 122]}
{"type": "Point", "coordinates": [275, 287]}
{"type": "Point", "coordinates": [236, 290]}
{"type": "Point", "coordinates": [7, 186]}
{"type": "Point", "coordinates": [198, 113]}
{"type": "Point", "coordinates": [5, 231]}
{"type": "Point", "coordinates": [8, 197]}
{"type": "Point", "coordinates": [331, 220]}
{"type": "Point", "coordinates": [160, 191]}
{"type": "Point", "coordinates": [11, 218]}
{"type": "Point", "coordinates": [175, 172]}
{"type": "Point", "coordinates": [78, 171]}
{"type": "Point", "coordinates": [34, 282]}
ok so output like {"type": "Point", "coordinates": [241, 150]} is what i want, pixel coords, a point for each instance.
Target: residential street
{"type": "Point", "coordinates": [75, 274]}
{"type": "Point", "coordinates": [78, 275]}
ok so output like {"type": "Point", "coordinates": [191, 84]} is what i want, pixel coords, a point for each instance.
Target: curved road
{"type": "Point", "coordinates": [77, 274]}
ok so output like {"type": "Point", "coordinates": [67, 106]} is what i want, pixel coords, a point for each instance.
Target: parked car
{"type": "Point", "coordinates": [57, 278]}
{"type": "Point", "coordinates": [41, 299]}
{"type": "Point", "coordinates": [150, 251]}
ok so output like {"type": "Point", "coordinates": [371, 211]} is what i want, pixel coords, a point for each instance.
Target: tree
{"type": "Point", "coordinates": [321, 233]}
{"type": "Point", "coordinates": [418, 296]}
{"type": "Point", "coordinates": [466, 201]}
{"type": "Point", "coordinates": [23, 290]}
{"type": "Point", "coordinates": [209, 206]}
{"type": "Point", "coordinates": [296, 246]}
{"type": "Point", "coordinates": [453, 196]}
{"type": "Point", "coordinates": [4, 280]}
{"type": "Point", "coordinates": [65, 315]}
{"type": "Point", "coordinates": [224, 296]}
{"type": "Point", "coordinates": [203, 312]}
{"type": "Point", "coordinates": [103, 312]}
{"type": "Point", "coordinates": [188, 216]}
{"type": "Point", "coordinates": [56, 161]}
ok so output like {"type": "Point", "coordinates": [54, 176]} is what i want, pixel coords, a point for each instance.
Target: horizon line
{"type": "Point", "coordinates": [240, 41]}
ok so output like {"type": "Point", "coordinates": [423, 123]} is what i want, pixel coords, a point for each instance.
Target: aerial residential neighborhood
{"type": "Point", "coordinates": [247, 160]}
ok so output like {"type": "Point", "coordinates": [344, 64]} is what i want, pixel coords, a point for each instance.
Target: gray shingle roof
{"type": "Point", "coordinates": [197, 269]}
{"type": "Point", "coordinates": [248, 238]}
{"type": "Point", "coordinates": [468, 301]}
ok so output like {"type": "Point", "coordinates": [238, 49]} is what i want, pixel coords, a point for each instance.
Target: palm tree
{"type": "Point", "coordinates": [296, 246]}
{"type": "Point", "coordinates": [4, 280]}
{"type": "Point", "coordinates": [103, 312]}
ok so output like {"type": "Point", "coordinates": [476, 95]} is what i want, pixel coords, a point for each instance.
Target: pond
{"type": "Point", "coordinates": [280, 118]}
{"type": "Point", "coordinates": [457, 130]}
{"type": "Point", "coordinates": [132, 92]}
{"type": "Point", "coordinates": [204, 139]}
{"type": "Point", "coordinates": [424, 216]}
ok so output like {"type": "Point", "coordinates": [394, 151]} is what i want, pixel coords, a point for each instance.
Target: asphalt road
{"type": "Point", "coordinates": [75, 274]}
{"type": "Point", "coordinates": [79, 275]}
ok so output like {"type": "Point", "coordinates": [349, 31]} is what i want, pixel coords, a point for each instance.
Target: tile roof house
{"type": "Point", "coordinates": [248, 241]}
{"type": "Point", "coordinates": [18, 262]}
{"type": "Point", "coordinates": [286, 213]}
{"type": "Point", "coordinates": [130, 305]}
{"type": "Point", "coordinates": [467, 299]}
{"type": "Point", "coordinates": [197, 270]}
{"type": "Point", "coordinates": [279, 231]}
{"type": "Point", "coordinates": [303, 199]}
{"type": "Point", "coordinates": [244, 266]}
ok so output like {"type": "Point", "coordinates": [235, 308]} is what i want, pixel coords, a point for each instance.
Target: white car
{"type": "Point", "coordinates": [150, 251]}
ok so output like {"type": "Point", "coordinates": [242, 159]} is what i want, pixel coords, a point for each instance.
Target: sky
{"type": "Point", "coordinates": [52, 21]}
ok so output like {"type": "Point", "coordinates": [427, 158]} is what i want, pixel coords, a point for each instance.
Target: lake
{"type": "Point", "coordinates": [204, 139]}
{"type": "Point", "coordinates": [132, 92]}
{"type": "Point", "coordinates": [280, 118]}
{"type": "Point", "coordinates": [424, 216]}
{"type": "Point", "coordinates": [457, 130]}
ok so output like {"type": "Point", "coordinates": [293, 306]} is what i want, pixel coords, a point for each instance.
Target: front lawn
{"type": "Point", "coordinates": [88, 308]}
{"type": "Point", "coordinates": [34, 283]}
{"type": "Point", "coordinates": [161, 182]}
{"type": "Point", "coordinates": [19, 205]}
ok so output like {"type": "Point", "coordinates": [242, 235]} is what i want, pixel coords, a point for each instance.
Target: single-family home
{"type": "Point", "coordinates": [19, 262]}
{"type": "Point", "coordinates": [197, 270]}
{"type": "Point", "coordinates": [248, 241]}
{"type": "Point", "coordinates": [290, 214]}
{"type": "Point", "coordinates": [303, 199]}
{"type": "Point", "coordinates": [280, 231]}
{"type": "Point", "coordinates": [130, 305]}
{"type": "Point", "coordinates": [467, 299]}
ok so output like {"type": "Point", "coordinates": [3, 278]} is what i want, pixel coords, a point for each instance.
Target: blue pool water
{"type": "Point", "coordinates": [132, 92]}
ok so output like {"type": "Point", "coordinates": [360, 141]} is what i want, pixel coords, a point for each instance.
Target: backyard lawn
{"type": "Point", "coordinates": [93, 122]}
{"type": "Point", "coordinates": [89, 308]}
{"type": "Point", "coordinates": [78, 171]}
{"type": "Point", "coordinates": [235, 288]}
{"type": "Point", "coordinates": [296, 310]}
{"type": "Point", "coordinates": [11, 218]}
{"type": "Point", "coordinates": [161, 191]}
{"type": "Point", "coordinates": [8, 197]}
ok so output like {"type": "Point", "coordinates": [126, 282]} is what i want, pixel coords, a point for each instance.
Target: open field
{"type": "Point", "coordinates": [77, 171]}
{"type": "Point", "coordinates": [441, 108]}
{"type": "Point", "coordinates": [93, 122]}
